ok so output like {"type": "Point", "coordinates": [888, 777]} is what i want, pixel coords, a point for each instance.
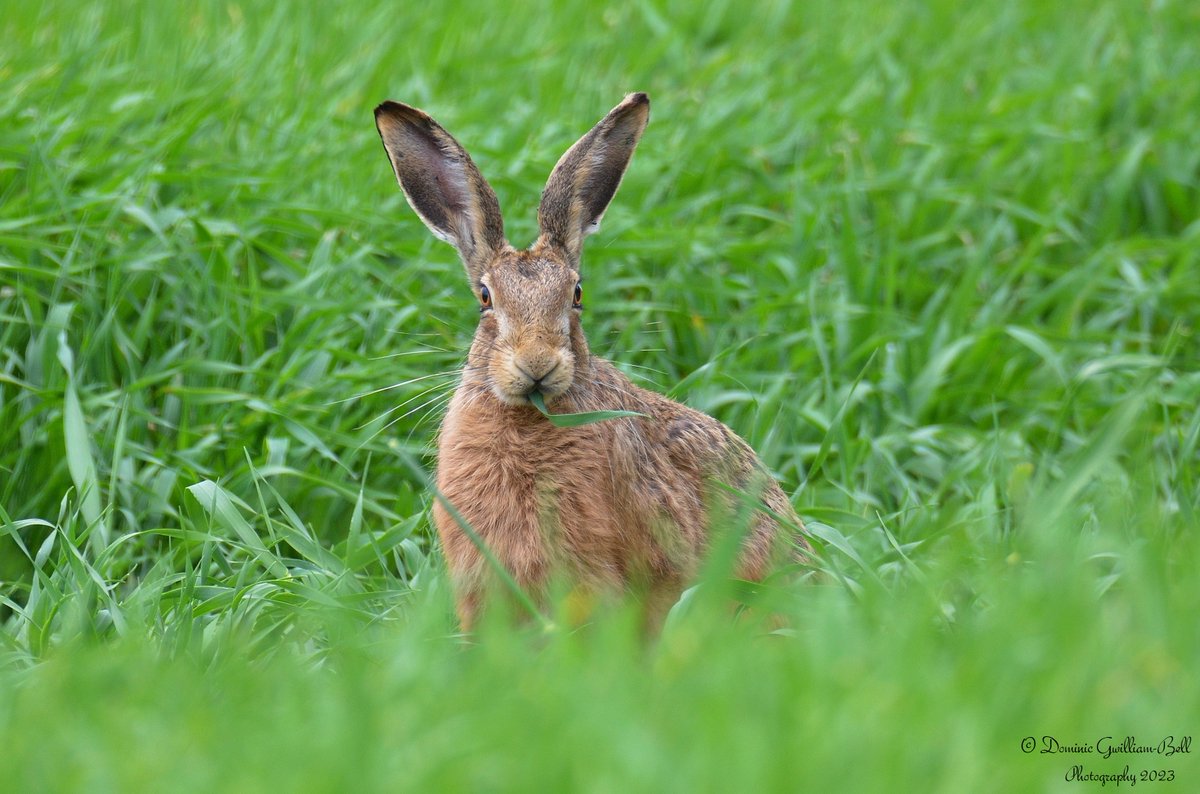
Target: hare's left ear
{"type": "Point", "coordinates": [588, 175]}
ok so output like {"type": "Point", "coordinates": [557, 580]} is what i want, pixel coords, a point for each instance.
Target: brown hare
{"type": "Point", "coordinates": [622, 504]}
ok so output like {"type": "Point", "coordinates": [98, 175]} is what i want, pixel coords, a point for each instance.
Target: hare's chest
{"type": "Point", "coordinates": [514, 460]}
{"type": "Point", "coordinates": [541, 497]}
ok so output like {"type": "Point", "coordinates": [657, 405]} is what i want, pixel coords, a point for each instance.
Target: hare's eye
{"type": "Point", "coordinates": [578, 295]}
{"type": "Point", "coordinates": [485, 298]}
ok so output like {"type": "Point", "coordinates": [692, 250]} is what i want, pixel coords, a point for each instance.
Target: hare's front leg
{"type": "Point", "coordinates": [518, 547]}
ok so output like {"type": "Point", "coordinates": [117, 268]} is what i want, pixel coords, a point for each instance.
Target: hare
{"type": "Point", "coordinates": [622, 504]}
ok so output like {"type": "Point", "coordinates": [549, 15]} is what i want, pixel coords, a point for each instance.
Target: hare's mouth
{"type": "Point", "coordinates": [522, 396]}
{"type": "Point", "coordinates": [516, 383]}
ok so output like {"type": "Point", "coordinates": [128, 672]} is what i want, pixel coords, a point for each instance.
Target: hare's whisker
{"type": "Point", "coordinates": [433, 409]}
{"type": "Point", "coordinates": [411, 353]}
{"type": "Point", "coordinates": [612, 387]}
{"type": "Point", "coordinates": [450, 373]}
{"type": "Point", "coordinates": [397, 407]}
{"type": "Point", "coordinates": [643, 378]}
{"type": "Point", "coordinates": [410, 412]}
{"type": "Point", "coordinates": [643, 366]}
{"type": "Point", "coordinates": [375, 434]}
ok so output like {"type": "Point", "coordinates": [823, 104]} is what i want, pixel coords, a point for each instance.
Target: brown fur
{"type": "Point", "coordinates": [614, 505]}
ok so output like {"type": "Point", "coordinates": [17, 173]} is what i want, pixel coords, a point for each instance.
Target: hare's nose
{"type": "Point", "coordinates": [537, 371]}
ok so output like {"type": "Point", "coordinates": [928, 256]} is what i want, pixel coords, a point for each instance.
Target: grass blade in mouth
{"type": "Point", "coordinates": [575, 420]}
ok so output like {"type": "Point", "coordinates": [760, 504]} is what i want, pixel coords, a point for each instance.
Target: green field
{"type": "Point", "coordinates": [939, 263]}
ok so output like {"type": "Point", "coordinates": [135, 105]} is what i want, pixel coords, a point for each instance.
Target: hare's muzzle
{"type": "Point", "coordinates": [541, 369]}
{"type": "Point", "coordinates": [544, 370]}
{"type": "Point", "coordinates": [536, 374]}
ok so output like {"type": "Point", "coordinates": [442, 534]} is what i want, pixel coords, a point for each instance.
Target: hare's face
{"type": "Point", "coordinates": [529, 326]}
{"type": "Point", "coordinates": [529, 337]}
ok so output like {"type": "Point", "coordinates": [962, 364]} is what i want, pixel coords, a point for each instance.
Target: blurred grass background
{"type": "Point", "coordinates": [936, 262]}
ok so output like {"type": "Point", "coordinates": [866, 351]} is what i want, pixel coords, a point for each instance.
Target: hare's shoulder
{"type": "Point", "coordinates": [691, 439]}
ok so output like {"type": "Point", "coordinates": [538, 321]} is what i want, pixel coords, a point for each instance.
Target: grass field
{"type": "Point", "coordinates": [939, 263]}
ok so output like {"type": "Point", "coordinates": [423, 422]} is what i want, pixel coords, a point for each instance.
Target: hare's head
{"type": "Point", "coordinates": [529, 301]}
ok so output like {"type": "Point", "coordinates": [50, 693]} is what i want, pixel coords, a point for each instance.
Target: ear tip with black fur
{"type": "Point", "coordinates": [397, 110]}
{"type": "Point", "coordinates": [637, 98]}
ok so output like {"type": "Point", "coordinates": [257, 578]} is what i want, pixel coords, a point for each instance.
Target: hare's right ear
{"type": "Point", "coordinates": [588, 175]}
{"type": "Point", "coordinates": [441, 184]}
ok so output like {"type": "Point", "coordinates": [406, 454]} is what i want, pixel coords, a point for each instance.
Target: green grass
{"type": "Point", "coordinates": [939, 263]}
